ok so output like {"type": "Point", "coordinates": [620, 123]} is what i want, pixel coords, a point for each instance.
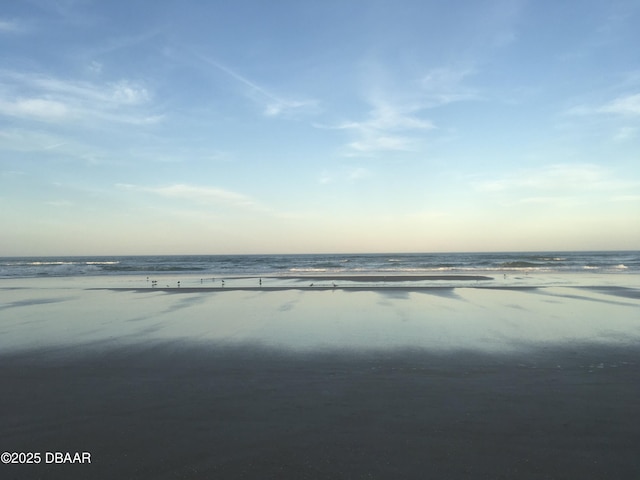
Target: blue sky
{"type": "Point", "coordinates": [139, 127]}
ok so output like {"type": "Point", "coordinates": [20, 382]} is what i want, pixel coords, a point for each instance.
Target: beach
{"type": "Point", "coordinates": [448, 378]}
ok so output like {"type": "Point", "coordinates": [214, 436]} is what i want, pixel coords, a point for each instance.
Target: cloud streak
{"type": "Point", "coordinates": [625, 105]}
{"type": "Point", "coordinates": [353, 174]}
{"type": "Point", "coordinates": [554, 183]}
{"type": "Point", "coordinates": [196, 194]}
{"type": "Point", "coordinates": [387, 128]}
{"type": "Point", "coordinates": [273, 105]}
{"type": "Point", "coordinates": [35, 108]}
{"type": "Point", "coordinates": [47, 98]}
{"type": "Point", "coordinates": [396, 118]}
{"type": "Point", "coordinates": [11, 26]}
{"type": "Point", "coordinates": [445, 85]}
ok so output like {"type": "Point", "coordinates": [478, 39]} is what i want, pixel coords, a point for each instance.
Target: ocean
{"type": "Point", "coordinates": [325, 264]}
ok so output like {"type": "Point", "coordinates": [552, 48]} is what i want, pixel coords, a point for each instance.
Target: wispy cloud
{"type": "Point", "coordinates": [197, 194]}
{"type": "Point", "coordinates": [48, 98]}
{"type": "Point", "coordinates": [273, 104]}
{"type": "Point", "coordinates": [444, 85]}
{"type": "Point", "coordinates": [625, 133]}
{"type": "Point", "coordinates": [626, 105]}
{"type": "Point", "coordinates": [387, 128]}
{"type": "Point", "coordinates": [552, 183]}
{"type": "Point", "coordinates": [48, 144]}
{"type": "Point", "coordinates": [352, 174]}
{"type": "Point", "coordinates": [396, 120]}
{"type": "Point", "coordinates": [617, 118]}
{"type": "Point", "coordinates": [29, 140]}
{"type": "Point", "coordinates": [375, 141]}
{"type": "Point", "coordinates": [12, 26]}
{"type": "Point", "coordinates": [11, 173]}
{"type": "Point", "coordinates": [36, 108]}
{"type": "Point", "coordinates": [560, 176]}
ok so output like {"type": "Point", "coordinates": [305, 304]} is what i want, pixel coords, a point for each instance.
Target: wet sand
{"type": "Point", "coordinates": [207, 411]}
{"type": "Point", "coordinates": [455, 383]}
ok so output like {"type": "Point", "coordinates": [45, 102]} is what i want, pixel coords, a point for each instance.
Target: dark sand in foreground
{"type": "Point", "coordinates": [185, 410]}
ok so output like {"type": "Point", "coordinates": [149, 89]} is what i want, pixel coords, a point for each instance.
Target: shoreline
{"type": "Point", "coordinates": [318, 288]}
{"type": "Point", "coordinates": [598, 282]}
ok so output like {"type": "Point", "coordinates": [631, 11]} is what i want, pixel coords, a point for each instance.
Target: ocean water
{"type": "Point", "coordinates": [324, 264]}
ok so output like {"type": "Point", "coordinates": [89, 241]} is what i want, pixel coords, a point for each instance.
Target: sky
{"type": "Point", "coordinates": [309, 126]}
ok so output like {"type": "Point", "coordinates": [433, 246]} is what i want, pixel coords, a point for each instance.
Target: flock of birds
{"type": "Point", "coordinates": [154, 283]}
